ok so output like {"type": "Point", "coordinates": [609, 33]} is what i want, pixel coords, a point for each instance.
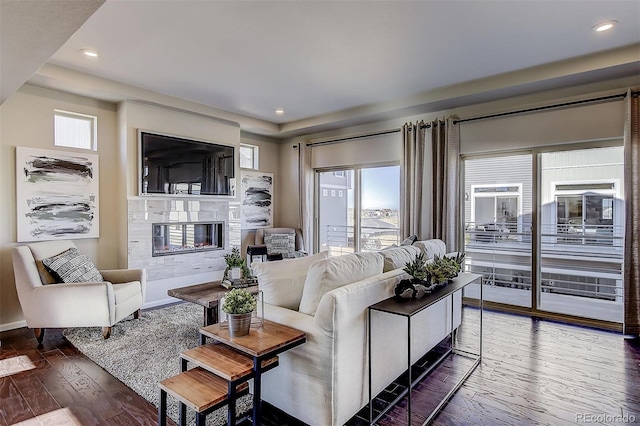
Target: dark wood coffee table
{"type": "Point", "coordinates": [207, 295]}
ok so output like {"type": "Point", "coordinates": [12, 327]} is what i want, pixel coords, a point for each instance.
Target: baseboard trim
{"type": "Point", "coordinates": [162, 302]}
{"type": "Point", "coordinates": [13, 325]}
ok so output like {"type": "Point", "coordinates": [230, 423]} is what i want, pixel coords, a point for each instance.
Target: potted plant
{"type": "Point", "coordinates": [417, 268]}
{"type": "Point", "coordinates": [442, 269]}
{"type": "Point", "coordinates": [418, 272]}
{"type": "Point", "coordinates": [239, 305]}
{"type": "Point", "coordinates": [236, 266]}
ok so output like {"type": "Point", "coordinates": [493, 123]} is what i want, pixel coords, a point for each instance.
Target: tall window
{"type": "Point", "coordinates": [358, 209]}
{"type": "Point", "coordinates": [249, 156]}
{"type": "Point", "coordinates": [75, 130]}
{"type": "Point", "coordinates": [579, 217]}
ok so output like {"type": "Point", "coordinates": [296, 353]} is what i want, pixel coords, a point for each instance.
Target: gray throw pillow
{"type": "Point", "coordinates": [71, 266]}
{"type": "Point", "coordinates": [284, 244]}
{"type": "Point", "coordinates": [409, 240]}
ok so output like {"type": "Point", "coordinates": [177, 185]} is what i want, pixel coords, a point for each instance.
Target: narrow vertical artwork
{"type": "Point", "coordinates": [56, 195]}
{"type": "Point", "coordinates": [257, 200]}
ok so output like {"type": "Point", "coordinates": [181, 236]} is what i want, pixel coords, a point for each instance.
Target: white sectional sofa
{"type": "Point", "coordinates": [325, 381]}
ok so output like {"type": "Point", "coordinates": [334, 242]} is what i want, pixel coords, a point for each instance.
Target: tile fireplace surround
{"type": "Point", "coordinates": [143, 213]}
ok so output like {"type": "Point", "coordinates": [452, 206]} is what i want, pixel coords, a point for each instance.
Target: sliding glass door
{"type": "Point", "coordinates": [580, 220]}
{"type": "Point", "coordinates": [498, 211]}
{"type": "Point", "coordinates": [358, 209]}
{"type": "Point", "coordinates": [582, 228]}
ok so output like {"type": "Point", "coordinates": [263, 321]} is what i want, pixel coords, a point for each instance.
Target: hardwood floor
{"type": "Point", "coordinates": [534, 372]}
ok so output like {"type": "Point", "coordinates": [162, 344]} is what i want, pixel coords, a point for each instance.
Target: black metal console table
{"type": "Point", "coordinates": [408, 308]}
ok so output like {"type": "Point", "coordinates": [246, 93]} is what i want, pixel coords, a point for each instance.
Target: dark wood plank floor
{"type": "Point", "coordinates": [534, 372]}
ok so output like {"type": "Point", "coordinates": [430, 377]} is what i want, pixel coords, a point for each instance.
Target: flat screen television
{"type": "Point", "coordinates": [180, 166]}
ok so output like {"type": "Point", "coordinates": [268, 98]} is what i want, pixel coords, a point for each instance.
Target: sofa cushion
{"type": "Point", "coordinates": [398, 257]}
{"type": "Point", "coordinates": [432, 248]}
{"type": "Point", "coordinates": [281, 243]}
{"type": "Point", "coordinates": [329, 274]}
{"type": "Point", "coordinates": [71, 266]}
{"type": "Point", "coordinates": [282, 282]}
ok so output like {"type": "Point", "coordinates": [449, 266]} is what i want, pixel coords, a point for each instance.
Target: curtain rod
{"type": "Point", "coordinates": [367, 135]}
{"type": "Point", "coordinates": [482, 117]}
{"type": "Point", "coordinates": [565, 104]}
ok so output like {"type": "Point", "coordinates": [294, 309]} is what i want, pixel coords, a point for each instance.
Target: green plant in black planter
{"type": "Point", "coordinates": [418, 273]}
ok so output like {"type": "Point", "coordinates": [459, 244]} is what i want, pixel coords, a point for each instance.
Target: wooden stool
{"type": "Point", "coordinates": [232, 366]}
{"type": "Point", "coordinates": [199, 390]}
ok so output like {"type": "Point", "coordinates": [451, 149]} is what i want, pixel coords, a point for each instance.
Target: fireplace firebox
{"type": "Point", "coordinates": [187, 237]}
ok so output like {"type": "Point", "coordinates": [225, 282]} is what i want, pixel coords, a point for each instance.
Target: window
{"type": "Point", "coordinates": [249, 157]}
{"type": "Point", "coordinates": [75, 130]}
{"type": "Point", "coordinates": [574, 216]}
{"type": "Point", "coordinates": [364, 216]}
{"type": "Point", "coordinates": [496, 207]}
{"type": "Point", "coordinates": [585, 209]}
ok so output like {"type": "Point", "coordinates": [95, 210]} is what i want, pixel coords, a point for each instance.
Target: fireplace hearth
{"type": "Point", "coordinates": [186, 237]}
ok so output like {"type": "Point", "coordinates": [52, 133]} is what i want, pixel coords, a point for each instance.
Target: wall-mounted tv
{"type": "Point", "coordinates": [180, 166]}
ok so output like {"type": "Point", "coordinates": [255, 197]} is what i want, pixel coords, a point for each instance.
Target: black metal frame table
{"type": "Point", "coordinates": [408, 308]}
{"type": "Point", "coordinates": [262, 343]}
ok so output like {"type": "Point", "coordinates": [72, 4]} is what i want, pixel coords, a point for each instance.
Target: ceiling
{"type": "Point", "coordinates": [330, 63]}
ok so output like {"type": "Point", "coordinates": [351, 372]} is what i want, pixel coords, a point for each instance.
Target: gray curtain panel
{"type": "Point", "coordinates": [430, 181]}
{"type": "Point", "coordinates": [632, 217]}
{"type": "Point", "coordinates": [414, 163]}
{"type": "Point", "coordinates": [305, 191]}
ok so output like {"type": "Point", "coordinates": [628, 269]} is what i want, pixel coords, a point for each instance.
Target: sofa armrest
{"type": "Point", "coordinates": [289, 317]}
{"type": "Point", "coordinates": [118, 276]}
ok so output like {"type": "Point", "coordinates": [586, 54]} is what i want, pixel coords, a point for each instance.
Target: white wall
{"type": "Point", "coordinates": [269, 162]}
{"type": "Point", "coordinates": [27, 120]}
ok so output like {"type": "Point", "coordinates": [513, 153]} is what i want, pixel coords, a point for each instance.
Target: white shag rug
{"type": "Point", "coordinates": [142, 352]}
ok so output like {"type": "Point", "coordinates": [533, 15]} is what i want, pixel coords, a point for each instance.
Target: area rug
{"type": "Point", "coordinates": [142, 352]}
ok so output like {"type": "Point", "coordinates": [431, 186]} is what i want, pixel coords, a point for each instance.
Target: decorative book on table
{"type": "Point", "coordinates": [239, 282]}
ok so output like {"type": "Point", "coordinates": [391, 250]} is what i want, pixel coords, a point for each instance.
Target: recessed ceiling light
{"type": "Point", "coordinates": [279, 111]}
{"type": "Point", "coordinates": [90, 53]}
{"type": "Point", "coordinates": [604, 26]}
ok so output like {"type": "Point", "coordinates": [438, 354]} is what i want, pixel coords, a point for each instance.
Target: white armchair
{"type": "Point", "coordinates": [277, 243]}
{"type": "Point", "coordinates": [86, 304]}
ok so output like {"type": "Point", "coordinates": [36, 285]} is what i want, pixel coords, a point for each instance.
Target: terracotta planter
{"type": "Point", "coordinates": [239, 324]}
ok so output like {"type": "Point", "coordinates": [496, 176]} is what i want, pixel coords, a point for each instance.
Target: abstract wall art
{"type": "Point", "coordinates": [257, 200]}
{"type": "Point", "coordinates": [56, 195]}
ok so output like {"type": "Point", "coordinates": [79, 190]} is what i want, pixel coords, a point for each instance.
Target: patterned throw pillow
{"type": "Point", "coordinates": [284, 244]}
{"type": "Point", "coordinates": [71, 266]}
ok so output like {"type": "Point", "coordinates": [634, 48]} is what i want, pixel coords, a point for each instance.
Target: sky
{"type": "Point", "coordinates": [381, 188]}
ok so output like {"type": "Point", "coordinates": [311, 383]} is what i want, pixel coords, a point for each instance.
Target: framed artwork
{"type": "Point", "coordinates": [56, 195]}
{"type": "Point", "coordinates": [256, 200]}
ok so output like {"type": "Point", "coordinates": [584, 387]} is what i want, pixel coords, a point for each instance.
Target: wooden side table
{"type": "Point", "coordinates": [207, 295]}
{"type": "Point", "coordinates": [262, 343]}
